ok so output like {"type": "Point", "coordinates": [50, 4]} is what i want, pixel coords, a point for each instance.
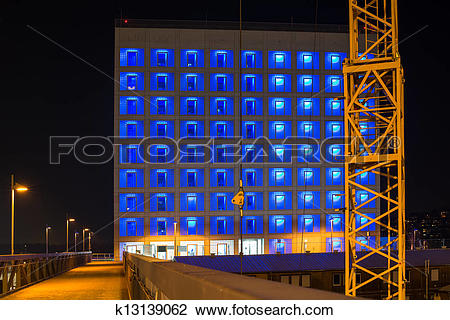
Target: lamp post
{"type": "Point", "coordinates": [76, 235]}
{"type": "Point", "coordinates": [84, 230]}
{"type": "Point", "coordinates": [175, 242]}
{"type": "Point", "coordinates": [89, 240]}
{"type": "Point", "coordinates": [67, 232]}
{"type": "Point", "coordinates": [46, 240]}
{"type": "Point", "coordinates": [14, 187]}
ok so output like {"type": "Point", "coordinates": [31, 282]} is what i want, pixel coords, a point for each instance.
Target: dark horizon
{"type": "Point", "coordinates": [48, 91]}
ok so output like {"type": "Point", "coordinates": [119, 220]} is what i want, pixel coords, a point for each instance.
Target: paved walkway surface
{"type": "Point", "coordinates": [99, 280]}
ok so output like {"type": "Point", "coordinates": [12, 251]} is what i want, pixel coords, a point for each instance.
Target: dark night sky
{"type": "Point", "coordinates": [46, 91]}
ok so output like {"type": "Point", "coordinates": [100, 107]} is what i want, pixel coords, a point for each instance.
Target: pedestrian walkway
{"type": "Point", "coordinates": [99, 280]}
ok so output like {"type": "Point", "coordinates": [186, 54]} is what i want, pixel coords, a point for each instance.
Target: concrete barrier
{"type": "Point", "coordinates": [150, 278]}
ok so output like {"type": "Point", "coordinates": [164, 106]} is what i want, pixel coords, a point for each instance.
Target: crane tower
{"type": "Point", "coordinates": [374, 144]}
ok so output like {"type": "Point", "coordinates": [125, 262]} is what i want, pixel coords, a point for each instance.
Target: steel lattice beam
{"type": "Point", "coordinates": [374, 143]}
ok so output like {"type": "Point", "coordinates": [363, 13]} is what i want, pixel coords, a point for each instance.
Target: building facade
{"type": "Point", "coordinates": [184, 97]}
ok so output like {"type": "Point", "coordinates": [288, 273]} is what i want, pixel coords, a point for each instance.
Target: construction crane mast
{"type": "Point", "coordinates": [374, 144]}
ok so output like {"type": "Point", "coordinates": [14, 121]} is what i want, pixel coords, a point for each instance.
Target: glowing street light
{"type": "Point", "coordinates": [67, 232]}
{"type": "Point", "coordinates": [19, 188]}
{"type": "Point", "coordinates": [84, 230]}
{"type": "Point", "coordinates": [89, 240]}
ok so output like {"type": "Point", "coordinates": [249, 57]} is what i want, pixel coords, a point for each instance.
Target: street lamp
{"type": "Point", "coordinates": [89, 240]}
{"type": "Point", "coordinates": [76, 235]}
{"type": "Point", "coordinates": [175, 234]}
{"type": "Point", "coordinates": [84, 230]}
{"type": "Point", "coordinates": [46, 240]}
{"type": "Point", "coordinates": [14, 187]}
{"type": "Point", "coordinates": [67, 232]}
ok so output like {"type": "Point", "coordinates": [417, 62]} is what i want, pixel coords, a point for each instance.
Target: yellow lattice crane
{"type": "Point", "coordinates": [374, 144]}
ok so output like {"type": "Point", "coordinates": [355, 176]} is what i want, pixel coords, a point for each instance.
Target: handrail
{"type": "Point", "coordinates": [151, 278]}
{"type": "Point", "coordinates": [22, 270]}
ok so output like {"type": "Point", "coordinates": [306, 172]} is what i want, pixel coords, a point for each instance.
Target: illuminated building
{"type": "Point", "coordinates": [181, 81]}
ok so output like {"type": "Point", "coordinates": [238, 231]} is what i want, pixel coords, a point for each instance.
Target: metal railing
{"type": "Point", "coordinates": [19, 271]}
{"type": "Point", "coordinates": [155, 279]}
{"type": "Point", "coordinates": [103, 256]}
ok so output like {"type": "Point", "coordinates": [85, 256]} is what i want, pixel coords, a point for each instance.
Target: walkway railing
{"type": "Point", "coordinates": [18, 271]}
{"type": "Point", "coordinates": [102, 256]}
{"type": "Point", "coordinates": [150, 278]}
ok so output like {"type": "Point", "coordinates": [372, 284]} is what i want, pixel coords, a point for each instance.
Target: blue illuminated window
{"type": "Point", "coordinates": [250, 59]}
{"type": "Point", "coordinates": [334, 85]}
{"type": "Point", "coordinates": [191, 83]}
{"type": "Point", "coordinates": [221, 106]}
{"type": "Point", "coordinates": [131, 154]}
{"type": "Point", "coordinates": [251, 226]}
{"type": "Point", "coordinates": [280, 84]}
{"type": "Point", "coordinates": [308, 129]}
{"type": "Point", "coordinates": [221, 154]}
{"type": "Point", "coordinates": [250, 202]}
{"type": "Point", "coordinates": [336, 224]}
{"type": "Point", "coordinates": [131, 82]}
{"type": "Point", "coordinates": [221, 226]}
{"type": "Point", "coordinates": [131, 228]}
{"type": "Point", "coordinates": [161, 203]}
{"type": "Point", "coordinates": [250, 154]}
{"type": "Point", "coordinates": [335, 61]}
{"type": "Point", "coordinates": [221, 203]}
{"type": "Point", "coordinates": [191, 203]}
{"type": "Point", "coordinates": [221, 83]}
{"type": "Point", "coordinates": [336, 130]}
{"type": "Point", "coordinates": [336, 108]}
{"type": "Point", "coordinates": [162, 106]}
{"type": "Point", "coordinates": [307, 84]}
{"type": "Point", "coordinates": [132, 106]}
{"type": "Point", "coordinates": [191, 129]}
{"type": "Point", "coordinates": [131, 130]}
{"type": "Point", "coordinates": [131, 203]}
{"type": "Point", "coordinates": [307, 106]}
{"type": "Point", "coordinates": [161, 58]}
{"type": "Point", "coordinates": [191, 154]}
{"type": "Point", "coordinates": [191, 59]}
{"type": "Point", "coordinates": [161, 82]}
{"type": "Point", "coordinates": [251, 107]}
{"type": "Point", "coordinates": [308, 200]}
{"type": "Point", "coordinates": [131, 179]}
{"type": "Point", "coordinates": [280, 201]}
{"type": "Point", "coordinates": [191, 227]}
{"type": "Point", "coordinates": [308, 177]}
{"type": "Point", "coordinates": [161, 179]}
{"type": "Point", "coordinates": [250, 130]}
{"type": "Point", "coordinates": [280, 177]}
{"type": "Point", "coordinates": [222, 60]}
{"type": "Point", "coordinates": [191, 179]}
{"type": "Point", "coordinates": [279, 131]}
{"type": "Point", "coordinates": [308, 224]}
{"type": "Point", "coordinates": [280, 225]}
{"type": "Point", "coordinates": [161, 228]}
{"type": "Point", "coordinates": [161, 129]}
{"type": "Point", "coordinates": [280, 60]}
{"type": "Point", "coordinates": [307, 61]}
{"type": "Point", "coordinates": [250, 177]}
{"type": "Point", "coordinates": [280, 247]}
{"type": "Point", "coordinates": [250, 83]}
{"type": "Point", "coordinates": [221, 178]}
{"type": "Point", "coordinates": [279, 153]}
{"type": "Point", "coordinates": [221, 129]}
{"type": "Point", "coordinates": [161, 154]}
{"type": "Point", "coordinates": [191, 106]}
{"type": "Point", "coordinates": [279, 107]}
{"type": "Point", "coordinates": [131, 58]}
